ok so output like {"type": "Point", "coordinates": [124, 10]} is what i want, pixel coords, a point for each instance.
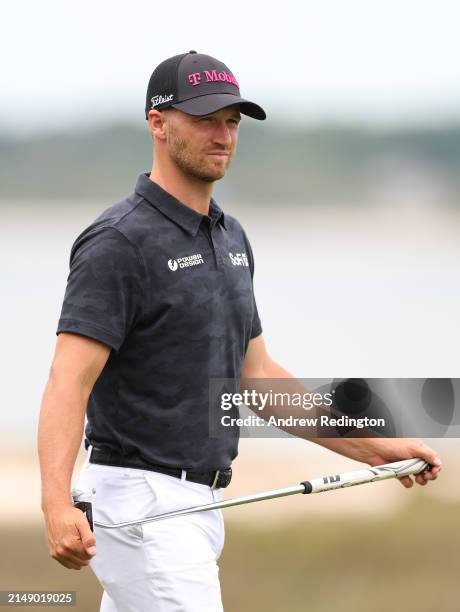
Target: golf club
{"type": "Point", "coordinates": [316, 485]}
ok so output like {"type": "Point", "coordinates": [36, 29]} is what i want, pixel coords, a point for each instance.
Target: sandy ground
{"type": "Point", "coordinates": [261, 465]}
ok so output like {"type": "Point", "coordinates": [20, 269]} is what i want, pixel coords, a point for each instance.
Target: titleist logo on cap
{"type": "Point", "coordinates": [211, 76]}
{"type": "Point", "coordinates": [159, 99]}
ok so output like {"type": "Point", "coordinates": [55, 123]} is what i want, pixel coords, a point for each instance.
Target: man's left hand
{"type": "Point", "coordinates": [396, 449]}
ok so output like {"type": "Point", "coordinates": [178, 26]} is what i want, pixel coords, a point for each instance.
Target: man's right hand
{"type": "Point", "coordinates": [70, 539]}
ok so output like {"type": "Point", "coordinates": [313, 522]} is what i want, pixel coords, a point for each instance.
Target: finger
{"type": "Point", "coordinates": [406, 481]}
{"type": "Point", "coordinates": [66, 562]}
{"type": "Point", "coordinates": [87, 537]}
{"type": "Point", "coordinates": [420, 479]}
{"type": "Point", "coordinates": [432, 474]}
{"type": "Point", "coordinates": [78, 558]}
{"type": "Point", "coordinates": [75, 562]}
{"type": "Point", "coordinates": [69, 565]}
{"type": "Point", "coordinates": [428, 475]}
{"type": "Point", "coordinates": [72, 546]}
{"type": "Point", "coordinates": [67, 555]}
{"type": "Point", "coordinates": [77, 550]}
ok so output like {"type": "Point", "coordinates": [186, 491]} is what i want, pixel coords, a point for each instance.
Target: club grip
{"type": "Point", "coordinates": [397, 469]}
{"type": "Point", "coordinates": [86, 508]}
{"type": "Point", "coordinates": [81, 500]}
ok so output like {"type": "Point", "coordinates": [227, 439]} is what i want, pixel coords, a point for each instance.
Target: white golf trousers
{"type": "Point", "coordinates": [168, 566]}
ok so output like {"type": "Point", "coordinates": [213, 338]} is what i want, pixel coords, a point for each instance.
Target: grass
{"type": "Point", "coordinates": [403, 562]}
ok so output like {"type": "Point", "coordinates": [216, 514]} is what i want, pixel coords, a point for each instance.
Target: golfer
{"type": "Point", "coordinates": [160, 299]}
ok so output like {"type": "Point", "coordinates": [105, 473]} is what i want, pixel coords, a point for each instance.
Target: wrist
{"type": "Point", "coordinates": [56, 503]}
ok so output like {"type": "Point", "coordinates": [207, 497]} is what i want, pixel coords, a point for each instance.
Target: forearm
{"type": "Point", "coordinates": [59, 437]}
{"type": "Point", "coordinates": [271, 375]}
{"type": "Point", "coordinates": [260, 371]}
{"type": "Point", "coordinates": [357, 448]}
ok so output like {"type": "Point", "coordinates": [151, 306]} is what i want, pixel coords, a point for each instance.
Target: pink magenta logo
{"type": "Point", "coordinates": [212, 76]}
{"type": "Point", "coordinates": [194, 78]}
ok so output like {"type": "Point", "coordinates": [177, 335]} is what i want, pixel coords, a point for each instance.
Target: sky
{"type": "Point", "coordinates": [66, 64]}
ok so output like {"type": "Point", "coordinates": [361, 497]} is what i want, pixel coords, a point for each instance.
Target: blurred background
{"type": "Point", "coordinates": [350, 196]}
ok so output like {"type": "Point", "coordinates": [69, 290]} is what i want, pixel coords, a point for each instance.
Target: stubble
{"type": "Point", "coordinates": [195, 164]}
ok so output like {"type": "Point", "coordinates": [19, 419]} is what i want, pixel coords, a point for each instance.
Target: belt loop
{"type": "Point", "coordinates": [216, 478]}
{"type": "Point", "coordinates": [183, 475]}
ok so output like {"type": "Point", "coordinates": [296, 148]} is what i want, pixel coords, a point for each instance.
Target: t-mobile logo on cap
{"type": "Point", "coordinates": [212, 76]}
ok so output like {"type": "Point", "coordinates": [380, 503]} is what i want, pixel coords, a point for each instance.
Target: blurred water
{"type": "Point", "coordinates": [341, 292]}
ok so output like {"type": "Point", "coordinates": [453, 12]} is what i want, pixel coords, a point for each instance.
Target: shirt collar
{"type": "Point", "coordinates": [183, 215]}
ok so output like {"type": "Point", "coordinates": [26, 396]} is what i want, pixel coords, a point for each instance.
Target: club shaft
{"type": "Point", "coordinates": [316, 485]}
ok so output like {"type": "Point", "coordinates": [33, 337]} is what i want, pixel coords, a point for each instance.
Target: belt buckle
{"type": "Point", "coordinates": [216, 478]}
{"type": "Point", "coordinates": [227, 476]}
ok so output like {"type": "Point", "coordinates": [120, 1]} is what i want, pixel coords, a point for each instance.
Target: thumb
{"type": "Point", "coordinates": [87, 537]}
{"type": "Point", "coordinates": [429, 455]}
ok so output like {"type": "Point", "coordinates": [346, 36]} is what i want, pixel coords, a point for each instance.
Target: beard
{"type": "Point", "coordinates": [193, 164]}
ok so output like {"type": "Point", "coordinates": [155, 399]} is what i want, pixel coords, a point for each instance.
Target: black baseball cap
{"type": "Point", "coordinates": [196, 84]}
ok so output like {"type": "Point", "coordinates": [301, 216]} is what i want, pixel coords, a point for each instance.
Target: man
{"type": "Point", "coordinates": [159, 300]}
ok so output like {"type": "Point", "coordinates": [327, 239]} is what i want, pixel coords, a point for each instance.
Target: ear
{"type": "Point", "coordinates": [157, 124]}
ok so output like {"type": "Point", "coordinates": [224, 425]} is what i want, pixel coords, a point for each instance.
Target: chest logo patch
{"type": "Point", "coordinates": [185, 262]}
{"type": "Point", "coordinates": [239, 259]}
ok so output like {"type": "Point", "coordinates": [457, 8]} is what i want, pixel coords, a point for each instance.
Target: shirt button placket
{"type": "Point", "coordinates": [217, 253]}
{"type": "Point", "coordinates": [209, 226]}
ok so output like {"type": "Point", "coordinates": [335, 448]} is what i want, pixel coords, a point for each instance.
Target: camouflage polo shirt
{"type": "Point", "coordinates": [171, 292]}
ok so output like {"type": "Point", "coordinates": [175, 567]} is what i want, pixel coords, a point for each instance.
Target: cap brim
{"type": "Point", "coordinates": [211, 103]}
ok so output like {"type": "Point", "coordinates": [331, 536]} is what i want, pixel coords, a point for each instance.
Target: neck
{"type": "Point", "coordinates": [192, 192]}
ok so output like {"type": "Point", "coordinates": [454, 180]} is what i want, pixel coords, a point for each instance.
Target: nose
{"type": "Point", "coordinates": [222, 134]}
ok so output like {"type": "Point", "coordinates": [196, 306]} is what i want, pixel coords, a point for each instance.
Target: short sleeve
{"type": "Point", "coordinates": [256, 328]}
{"type": "Point", "coordinates": [104, 292]}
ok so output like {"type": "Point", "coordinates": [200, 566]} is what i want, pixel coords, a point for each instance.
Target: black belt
{"type": "Point", "coordinates": [216, 479]}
